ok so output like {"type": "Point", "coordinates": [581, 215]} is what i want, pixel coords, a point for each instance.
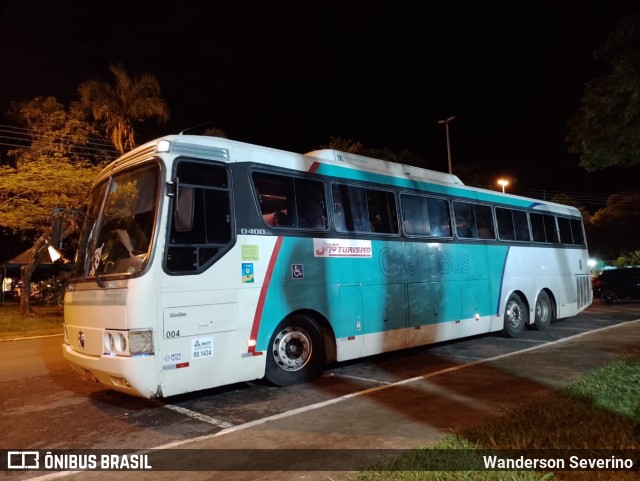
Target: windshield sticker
{"type": "Point", "coordinates": [247, 273]}
{"type": "Point", "coordinates": [349, 248]}
{"type": "Point", "coordinates": [249, 252]}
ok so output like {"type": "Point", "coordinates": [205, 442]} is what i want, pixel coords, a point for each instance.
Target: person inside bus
{"type": "Point", "coordinates": [463, 228]}
{"type": "Point", "coordinates": [280, 219]}
{"type": "Point", "coordinates": [440, 229]}
{"type": "Point", "coordinates": [338, 218]}
{"type": "Point", "coordinates": [312, 215]}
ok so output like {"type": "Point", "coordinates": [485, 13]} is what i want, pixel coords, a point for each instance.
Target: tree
{"type": "Point", "coordinates": [566, 199]}
{"type": "Point", "coordinates": [355, 147]}
{"type": "Point", "coordinates": [120, 105]}
{"type": "Point", "coordinates": [215, 132]}
{"type": "Point", "coordinates": [54, 171]}
{"type": "Point", "coordinates": [605, 131]}
{"type": "Point", "coordinates": [345, 145]}
{"type": "Point", "coordinates": [615, 230]}
{"type": "Point", "coordinates": [628, 259]}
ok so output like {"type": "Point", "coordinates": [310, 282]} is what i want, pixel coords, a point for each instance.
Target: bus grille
{"type": "Point", "coordinates": [584, 290]}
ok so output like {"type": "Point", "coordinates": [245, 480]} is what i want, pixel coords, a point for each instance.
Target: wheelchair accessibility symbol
{"type": "Point", "coordinates": [297, 271]}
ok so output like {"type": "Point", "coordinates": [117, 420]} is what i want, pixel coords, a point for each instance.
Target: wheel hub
{"type": "Point", "coordinates": [292, 349]}
{"type": "Point", "coordinates": [515, 314]}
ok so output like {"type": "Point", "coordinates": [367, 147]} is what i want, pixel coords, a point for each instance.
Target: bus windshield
{"type": "Point", "coordinates": [117, 232]}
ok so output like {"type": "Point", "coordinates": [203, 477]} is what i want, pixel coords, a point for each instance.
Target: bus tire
{"type": "Point", "coordinates": [543, 313]}
{"type": "Point", "coordinates": [296, 352]}
{"type": "Point", "coordinates": [516, 316]}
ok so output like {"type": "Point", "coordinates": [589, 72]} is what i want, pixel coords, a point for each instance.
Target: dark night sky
{"type": "Point", "coordinates": [290, 75]}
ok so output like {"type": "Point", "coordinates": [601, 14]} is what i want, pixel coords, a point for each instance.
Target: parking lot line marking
{"type": "Point", "coordinates": [199, 416]}
{"type": "Point", "coordinates": [329, 402]}
{"type": "Point", "coordinates": [358, 378]}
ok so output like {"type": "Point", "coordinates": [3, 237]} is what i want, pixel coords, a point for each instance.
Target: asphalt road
{"type": "Point", "coordinates": [46, 405]}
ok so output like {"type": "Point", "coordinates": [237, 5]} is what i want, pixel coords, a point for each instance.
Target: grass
{"type": "Point", "coordinates": [13, 325]}
{"type": "Point", "coordinates": [600, 411]}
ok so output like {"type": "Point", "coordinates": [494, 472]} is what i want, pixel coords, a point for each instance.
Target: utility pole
{"type": "Point", "coordinates": [446, 128]}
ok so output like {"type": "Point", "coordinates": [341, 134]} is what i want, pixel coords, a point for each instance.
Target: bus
{"type": "Point", "coordinates": [204, 261]}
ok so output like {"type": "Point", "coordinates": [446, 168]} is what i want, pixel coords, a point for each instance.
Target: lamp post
{"type": "Point", "coordinates": [446, 128]}
{"type": "Point", "coordinates": [503, 183]}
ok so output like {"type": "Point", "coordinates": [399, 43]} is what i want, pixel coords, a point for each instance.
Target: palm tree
{"type": "Point", "coordinates": [121, 104]}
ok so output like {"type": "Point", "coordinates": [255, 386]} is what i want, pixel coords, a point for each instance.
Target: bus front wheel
{"type": "Point", "coordinates": [296, 352]}
{"type": "Point", "coordinates": [516, 316]}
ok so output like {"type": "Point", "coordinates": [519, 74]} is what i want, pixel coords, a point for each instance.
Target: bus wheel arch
{"type": "Point", "coordinates": [516, 314]}
{"type": "Point", "coordinates": [296, 350]}
{"type": "Point", "coordinates": [544, 310]}
{"type": "Point", "coordinates": [330, 348]}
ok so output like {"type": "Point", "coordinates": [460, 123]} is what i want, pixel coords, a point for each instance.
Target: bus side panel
{"type": "Point", "coordinates": [425, 303]}
{"type": "Point", "coordinates": [531, 270]}
{"type": "Point", "coordinates": [208, 319]}
{"type": "Point", "coordinates": [385, 313]}
{"type": "Point", "coordinates": [350, 314]}
{"type": "Point", "coordinates": [388, 295]}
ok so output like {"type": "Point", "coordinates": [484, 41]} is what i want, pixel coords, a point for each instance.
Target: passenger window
{"type": "Point", "coordinates": [564, 226]}
{"type": "Point", "coordinates": [473, 221]}
{"type": "Point", "coordinates": [350, 209]}
{"type": "Point", "coordinates": [577, 232]}
{"type": "Point", "coordinates": [415, 215]}
{"type": "Point", "coordinates": [360, 209]}
{"type": "Point", "coordinates": [425, 216]}
{"type": "Point", "coordinates": [521, 226]}
{"type": "Point", "coordinates": [543, 227]}
{"type": "Point", "coordinates": [484, 222]}
{"type": "Point", "coordinates": [550, 228]}
{"type": "Point", "coordinates": [465, 220]}
{"type": "Point", "coordinates": [506, 229]}
{"type": "Point", "coordinates": [537, 228]}
{"type": "Point", "coordinates": [512, 224]}
{"type": "Point", "coordinates": [294, 202]}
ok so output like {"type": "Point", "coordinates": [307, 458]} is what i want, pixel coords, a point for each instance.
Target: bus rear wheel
{"type": "Point", "coordinates": [516, 316]}
{"type": "Point", "coordinates": [296, 352]}
{"type": "Point", "coordinates": [544, 312]}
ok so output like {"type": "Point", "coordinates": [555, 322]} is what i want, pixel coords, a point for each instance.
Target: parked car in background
{"type": "Point", "coordinates": [614, 284]}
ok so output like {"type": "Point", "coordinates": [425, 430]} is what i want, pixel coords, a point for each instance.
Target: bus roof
{"type": "Point", "coordinates": [385, 167]}
{"type": "Point", "coordinates": [222, 149]}
{"type": "Point", "coordinates": [225, 149]}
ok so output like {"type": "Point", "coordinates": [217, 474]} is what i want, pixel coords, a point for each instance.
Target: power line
{"type": "Point", "coordinates": [73, 150]}
{"type": "Point", "coordinates": [26, 135]}
{"type": "Point", "coordinates": [32, 132]}
{"type": "Point", "coordinates": [19, 137]}
{"type": "Point", "coordinates": [23, 138]}
{"type": "Point", "coordinates": [84, 154]}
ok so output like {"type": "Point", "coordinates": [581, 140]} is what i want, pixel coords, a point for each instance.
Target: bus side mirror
{"type": "Point", "coordinates": [183, 215]}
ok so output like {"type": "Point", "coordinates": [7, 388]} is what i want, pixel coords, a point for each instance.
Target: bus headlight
{"type": "Point", "coordinates": [128, 343]}
{"type": "Point", "coordinates": [141, 342]}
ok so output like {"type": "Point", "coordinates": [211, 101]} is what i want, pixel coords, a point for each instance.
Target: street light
{"type": "Point", "coordinates": [54, 253]}
{"type": "Point", "coordinates": [503, 183]}
{"type": "Point", "coordinates": [446, 128]}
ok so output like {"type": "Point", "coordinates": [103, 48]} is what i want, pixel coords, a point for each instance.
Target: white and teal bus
{"type": "Point", "coordinates": [204, 262]}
